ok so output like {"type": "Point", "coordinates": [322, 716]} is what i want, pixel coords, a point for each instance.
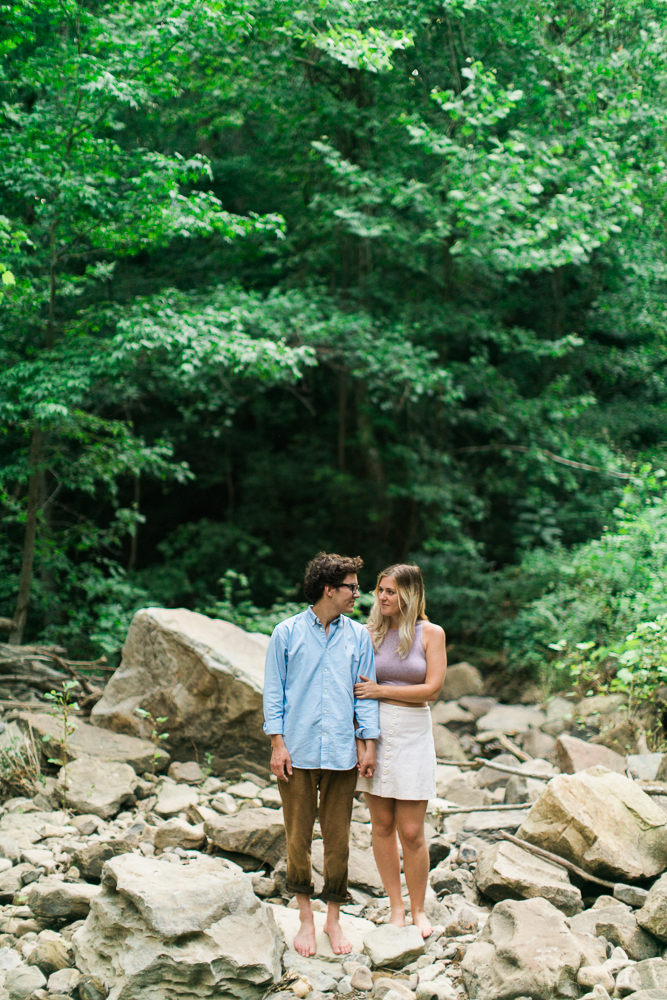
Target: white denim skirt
{"type": "Point", "coordinates": [405, 755]}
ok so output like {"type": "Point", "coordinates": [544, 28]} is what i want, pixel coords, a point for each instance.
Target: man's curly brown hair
{"type": "Point", "coordinates": [328, 569]}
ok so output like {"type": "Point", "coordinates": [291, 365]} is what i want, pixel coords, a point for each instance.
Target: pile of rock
{"type": "Point", "coordinates": [131, 875]}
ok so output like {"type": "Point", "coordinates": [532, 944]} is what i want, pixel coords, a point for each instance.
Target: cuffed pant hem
{"type": "Point", "coordinates": [301, 890]}
{"type": "Point", "coordinates": [332, 897]}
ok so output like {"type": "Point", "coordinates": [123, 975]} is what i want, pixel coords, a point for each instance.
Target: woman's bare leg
{"type": "Point", "coordinates": [410, 823]}
{"type": "Point", "coordinates": [385, 849]}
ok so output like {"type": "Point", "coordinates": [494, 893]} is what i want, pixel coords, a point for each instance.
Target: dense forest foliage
{"type": "Point", "coordinates": [358, 275]}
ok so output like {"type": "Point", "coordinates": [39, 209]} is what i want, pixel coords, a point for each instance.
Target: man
{"type": "Point", "coordinates": [312, 664]}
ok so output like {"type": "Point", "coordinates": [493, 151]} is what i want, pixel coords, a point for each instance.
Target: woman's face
{"type": "Point", "coordinates": [388, 597]}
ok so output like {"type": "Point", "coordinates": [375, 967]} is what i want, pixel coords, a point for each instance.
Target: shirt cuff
{"type": "Point", "coordinates": [273, 727]}
{"type": "Point", "coordinates": [367, 733]}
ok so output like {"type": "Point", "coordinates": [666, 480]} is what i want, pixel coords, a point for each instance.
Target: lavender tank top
{"type": "Point", "coordinates": [390, 669]}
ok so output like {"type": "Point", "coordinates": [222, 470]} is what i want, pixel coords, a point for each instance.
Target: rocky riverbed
{"type": "Point", "coordinates": [129, 875]}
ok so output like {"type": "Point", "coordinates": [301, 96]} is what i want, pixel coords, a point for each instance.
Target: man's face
{"type": "Point", "coordinates": [345, 595]}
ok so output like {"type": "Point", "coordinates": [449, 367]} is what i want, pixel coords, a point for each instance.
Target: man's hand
{"type": "Point", "coordinates": [366, 688]}
{"type": "Point", "coordinates": [366, 758]}
{"type": "Point", "coordinates": [281, 762]}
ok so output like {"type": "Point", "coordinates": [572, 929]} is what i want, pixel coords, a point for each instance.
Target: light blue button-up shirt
{"type": "Point", "coordinates": [309, 690]}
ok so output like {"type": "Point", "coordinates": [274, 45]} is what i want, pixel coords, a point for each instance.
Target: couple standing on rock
{"type": "Point", "coordinates": [346, 707]}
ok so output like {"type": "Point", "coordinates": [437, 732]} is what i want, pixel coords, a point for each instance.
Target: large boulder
{"type": "Point", "coordinates": [204, 676]}
{"type": "Point", "coordinates": [160, 931]}
{"type": "Point", "coordinates": [574, 755]}
{"type": "Point", "coordinates": [506, 871]}
{"type": "Point", "coordinates": [601, 821]}
{"type": "Point", "coordinates": [89, 741]}
{"type": "Point", "coordinates": [461, 679]}
{"type": "Point", "coordinates": [526, 949]}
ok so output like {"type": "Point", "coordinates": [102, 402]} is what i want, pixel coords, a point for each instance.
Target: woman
{"type": "Point", "coordinates": [410, 665]}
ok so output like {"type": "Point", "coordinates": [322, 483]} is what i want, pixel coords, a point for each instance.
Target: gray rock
{"type": "Point", "coordinates": [630, 894]}
{"type": "Point", "coordinates": [9, 848]}
{"type": "Point", "coordinates": [647, 975]}
{"type": "Point", "coordinates": [64, 981]}
{"type": "Point", "coordinates": [173, 799]}
{"type": "Point", "coordinates": [362, 979]}
{"type": "Point", "coordinates": [644, 766]}
{"type": "Point", "coordinates": [445, 881]}
{"type": "Point", "coordinates": [559, 712]}
{"type": "Point", "coordinates": [573, 755]}
{"type": "Point", "coordinates": [91, 859]}
{"type": "Point", "coordinates": [477, 705]}
{"type": "Point", "coordinates": [447, 745]}
{"type": "Point", "coordinates": [478, 822]}
{"type": "Point", "coordinates": [525, 950]}
{"type": "Point", "coordinates": [490, 778]}
{"type": "Point", "coordinates": [186, 772]}
{"type": "Point", "coordinates": [22, 982]}
{"type": "Point", "coordinates": [596, 975]}
{"type": "Point", "coordinates": [206, 675]}
{"type": "Point", "coordinates": [393, 947]}
{"type": "Point", "coordinates": [9, 959]}
{"type": "Point", "coordinates": [177, 833]}
{"type": "Point", "coordinates": [465, 791]}
{"type": "Point", "coordinates": [88, 741]}
{"type": "Point", "coordinates": [653, 914]}
{"type": "Point", "coordinates": [539, 744]}
{"type": "Point", "coordinates": [464, 920]}
{"type": "Point", "coordinates": [53, 898]}
{"type": "Point", "coordinates": [506, 871]}
{"type": "Point", "coordinates": [196, 929]}
{"type": "Point", "coordinates": [50, 957]}
{"type": "Point", "coordinates": [656, 994]}
{"type": "Point", "coordinates": [601, 821]}
{"type": "Point", "coordinates": [623, 930]}
{"type": "Point", "coordinates": [511, 719]}
{"type": "Point", "coordinates": [92, 988]}
{"type": "Point", "coordinates": [12, 881]}
{"type": "Point", "coordinates": [257, 832]}
{"type": "Point", "coordinates": [90, 785]}
{"type": "Point", "coordinates": [462, 679]}
{"type": "Point", "coordinates": [449, 713]}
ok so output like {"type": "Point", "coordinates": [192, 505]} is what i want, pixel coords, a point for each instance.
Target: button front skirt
{"type": "Point", "coordinates": [405, 755]}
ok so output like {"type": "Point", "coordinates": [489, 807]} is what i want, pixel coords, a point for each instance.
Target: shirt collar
{"type": "Point", "coordinates": [314, 620]}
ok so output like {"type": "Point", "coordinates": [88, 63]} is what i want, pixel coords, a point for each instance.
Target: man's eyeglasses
{"type": "Point", "coordinates": [352, 587]}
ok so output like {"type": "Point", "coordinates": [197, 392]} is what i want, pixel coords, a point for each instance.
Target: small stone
{"type": "Point", "coordinates": [630, 894]}
{"type": "Point", "coordinates": [644, 766]}
{"type": "Point", "coordinates": [91, 785]}
{"type": "Point", "coordinates": [462, 679]}
{"type": "Point", "coordinates": [270, 797]}
{"type": "Point", "coordinates": [653, 914]}
{"type": "Point", "coordinates": [437, 989]}
{"type": "Point", "coordinates": [64, 981]}
{"type": "Point", "coordinates": [177, 833]}
{"type": "Point", "coordinates": [53, 898]}
{"type": "Point", "coordinates": [9, 959]}
{"type": "Point", "coordinates": [592, 975]}
{"type": "Point", "coordinates": [173, 799]}
{"type": "Point", "coordinates": [463, 921]}
{"type": "Point", "coordinates": [50, 956]}
{"type": "Point", "coordinates": [91, 859]}
{"type": "Point", "coordinates": [383, 985]}
{"type": "Point", "coordinates": [22, 981]}
{"type": "Point", "coordinates": [392, 946]}
{"type": "Point", "coordinates": [92, 988]}
{"type": "Point", "coordinates": [87, 824]}
{"type": "Point", "coordinates": [9, 848]}
{"type": "Point", "coordinates": [244, 790]}
{"type": "Point", "coordinates": [344, 986]}
{"type": "Point", "coordinates": [263, 887]}
{"type": "Point", "coordinates": [224, 804]}
{"type": "Point", "coordinates": [362, 979]}
{"type": "Point", "coordinates": [186, 772]}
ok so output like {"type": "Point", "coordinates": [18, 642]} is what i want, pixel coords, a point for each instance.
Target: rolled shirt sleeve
{"type": "Point", "coordinates": [366, 710]}
{"type": "Point", "coordinates": [275, 673]}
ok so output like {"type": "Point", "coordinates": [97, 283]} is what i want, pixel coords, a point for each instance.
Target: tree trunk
{"type": "Point", "coordinates": [25, 580]}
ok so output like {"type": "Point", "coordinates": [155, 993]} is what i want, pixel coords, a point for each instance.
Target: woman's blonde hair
{"type": "Point", "coordinates": [411, 605]}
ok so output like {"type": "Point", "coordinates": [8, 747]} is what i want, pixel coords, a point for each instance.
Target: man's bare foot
{"type": "Point", "coordinates": [339, 943]}
{"type": "Point", "coordinates": [304, 942]}
{"type": "Point", "coordinates": [397, 917]}
{"type": "Point", "coordinates": [421, 921]}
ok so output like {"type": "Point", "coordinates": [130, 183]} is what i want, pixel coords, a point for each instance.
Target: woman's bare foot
{"type": "Point", "coordinates": [339, 943]}
{"type": "Point", "coordinates": [304, 942]}
{"type": "Point", "coordinates": [397, 917]}
{"type": "Point", "coordinates": [421, 921]}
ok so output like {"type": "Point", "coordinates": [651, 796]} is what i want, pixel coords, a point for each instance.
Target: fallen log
{"type": "Point", "coordinates": [495, 807]}
{"type": "Point", "coordinates": [513, 770]}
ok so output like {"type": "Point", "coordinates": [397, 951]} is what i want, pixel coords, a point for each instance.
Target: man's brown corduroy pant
{"type": "Point", "coordinates": [299, 796]}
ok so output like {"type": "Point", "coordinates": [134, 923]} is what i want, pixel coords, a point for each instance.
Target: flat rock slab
{"type": "Point", "coordinates": [90, 741]}
{"type": "Point", "coordinates": [573, 755]}
{"type": "Point", "coordinates": [393, 947]}
{"type": "Point", "coordinates": [601, 821]}
{"type": "Point", "coordinates": [205, 676]}
{"type": "Point", "coordinates": [173, 799]}
{"type": "Point", "coordinates": [644, 766]}
{"type": "Point", "coordinates": [511, 719]}
{"type": "Point", "coordinates": [99, 787]}
{"type": "Point", "coordinates": [52, 898]}
{"type": "Point", "coordinates": [507, 871]}
{"type": "Point", "coordinates": [257, 832]}
{"type": "Point", "coordinates": [354, 928]}
{"type": "Point", "coordinates": [159, 930]}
